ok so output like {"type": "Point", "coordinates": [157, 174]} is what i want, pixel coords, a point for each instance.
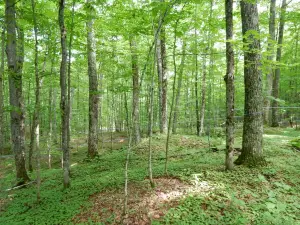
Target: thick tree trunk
{"type": "Point", "coordinates": [15, 63]}
{"type": "Point", "coordinates": [180, 75]}
{"type": "Point", "coordinates": [1, 90]}
{"type": "Point", "coordinates": [63, 98]}
{"type": "Point", "coordinates": [253, 112]}
{"type": "Point", "coordinates": [93, 90]}
{"type": "Point", "coordinates": [229, 79]}
{"type": "Point", "coordinates": [136, 137]}
{"type": "Point", "coordinates": [269, 78]}
{"type": "Point", "coordinates": [275, 89]}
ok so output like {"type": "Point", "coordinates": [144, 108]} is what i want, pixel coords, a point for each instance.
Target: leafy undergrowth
{"type": "Point", "coordinates": [268, 195]}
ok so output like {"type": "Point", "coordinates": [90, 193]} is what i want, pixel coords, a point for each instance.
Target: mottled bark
{"type": "Point", "coordinates": [229, 79]}
{"type": "Point", "coordinates": [269, 78]}
{"type": "Point", "coordinates": [253, 112]}
{"type": "Point", "coordinates": [275, 89]}
{"type": "Point", "coordinates": [1, 90]}
{"type": "Point", "coordinates": [179, 84]}
{"type": "Point", "coordinates": [136, 137]}
{"type": "Point", "coordinates": [63, 96]}
{"type": "Point", "coordinates": [93, 89]}
{"type": "Point", "coordinates": [14, 50]}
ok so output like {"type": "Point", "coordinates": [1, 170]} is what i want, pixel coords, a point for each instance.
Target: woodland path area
{"type": "Point", "coordinates": [196, 190]}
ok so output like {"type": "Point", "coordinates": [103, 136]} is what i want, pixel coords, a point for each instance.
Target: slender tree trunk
{"type": "Point", "coordinates": [136, 94]}
{"type": "Point", "coordinates": [1, 90]}
{"type": "Point", "coordinates": [69, 72]}
{"type": "Point", "coordinates": [180, 75]}
{"type": "Point", "coordinates": [14, 50]}
{"type": "Point", "coordinates": [271, 39]}
{"type": "Point", "coordinates": [203, 96]}
{"type": "Point", "coordinates": [275, 90]}
{"type": "Point", "coordinates": [63, 99]}
{"type": "Point", "coordinates": [173, 97]}
{"type": "Point", "coordinates": [253, 112]}
{"type": "Point", "coordinates": [162, 76]}
{"type": "Point", "coordinates": [229, 79]}
{"type": "Point", "coordinates": [35, 131]}
{"type": "Point", "coordinates": [196, 88]}
{"type": "Point", "coordinates": [152, 184]}
{"type": "Point", "coordinates": [93, 89]}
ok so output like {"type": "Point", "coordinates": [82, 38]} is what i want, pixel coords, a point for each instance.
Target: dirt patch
{"type": "Point", "coordinates": [144, 204]}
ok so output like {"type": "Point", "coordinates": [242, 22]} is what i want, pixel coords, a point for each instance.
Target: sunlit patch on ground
{"type": "Point", "coordinates": [144, 204]}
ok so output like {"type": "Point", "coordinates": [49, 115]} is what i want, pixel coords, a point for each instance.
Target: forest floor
{"type": "Point", "coordinates": [196, 190]}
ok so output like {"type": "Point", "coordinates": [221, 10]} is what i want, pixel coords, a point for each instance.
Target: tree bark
{"type": "Point", "coordinates": [1, 90]}
{"type": "Point", "coordinates": [93, 89]}
{"type": "Point", "coordinates": [162, 76]}
{"type": "Point", "coordinates": [275, 89]}
{"type": "Point", "coordinates": [14, 50]}
{"type": "Point", "coordinates": [136, 137]}
{"type": "Point", "coordinates": [269, 78]}
{"type": "Point", "coordinates": [229, 79]}
{"type": "Point", "coordinates": [35, 132]}
{"type": "Point", "coordinates": [179, 84]}
{"type": "Point", "coordinates": [63, 98]}
{"type": "Point", "coordinates": [253, 112]}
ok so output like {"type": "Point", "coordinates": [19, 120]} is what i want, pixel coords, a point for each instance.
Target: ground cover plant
{"type": "Point", "coordinates": [197, 190]}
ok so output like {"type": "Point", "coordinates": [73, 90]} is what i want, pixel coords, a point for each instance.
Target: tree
{"type": "Point", "coordinates": [229, 79]}
{"type": "Point", "coordinates": [253, 120]}
{"type": "Point", "coordinates": [162, 75]}
{"type": "Point", "coordinates": [93, 86]}
{"type": "Point", "coordinates": [15, 58]}
{"type": "Point", "coordinates": [271, 41]}
{"type": "Point", "coordinates": [135, 93]}
{"type": "Point", "coordinates": [1, 89]}
{"type": "Point", "coordinates": [275, 89]}
{"type": "Point", "coordinates": [35, 131]}
{"type": "Point", "coordinates": [63, 97]}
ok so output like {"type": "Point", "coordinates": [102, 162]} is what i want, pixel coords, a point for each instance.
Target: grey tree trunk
{"type": "Point", "coordinates": [269, 78]}
{"type": "Point", "coordinates": [35, 131]}
{"type": "Point", "coordinates": [136, 136]}
{"type": "Point", "coordinates": [93, 90]}
{"type": "Point", "coordinates": [180, 75]}
{"type": "Point", "coordinates": [229, 79]}
{"type": "Point", "coordinates": [1, 90]}
{"type": "Point", "coordinates": [162, 76]}
{"type": "Point", "coordinates": [253, 112]}
{"type": "Point", "coordinates": [69, 72]}
{"type": "Point", "coordinates": [14, 50]}
{"type": "Point", "coordinates": [63, 98]}
{"type": "Point", "coordinates": [275, 89]}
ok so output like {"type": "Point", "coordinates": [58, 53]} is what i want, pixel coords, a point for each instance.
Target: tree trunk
{"type": "Point", "coordinates": [180, 75]}
{"type": "Point", "coordinates": [14, 50]}
{"type": "Point", "coordinates": [35, 131]}
{"type": "Point", "coordinates": [275, 90]}
{"type": "Point", "coordinates": [253, 112]}
{"type": "Point", "coordinates": [268, 88]}
{"type": "Point", "coordinates": [63, 98]}
{"type": "Point", "coordinates": [135, 94]}
{"type": "Point", "coordinates": [93, 89]}
{"type": "Point", "coordinates": [1, 90]}
{"type": "Point", "coordinates": [229, 79]}
{"type": "Point", "coordinates": [162, 76]}
{"type": "Point", "coordinates": [69, 72]}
